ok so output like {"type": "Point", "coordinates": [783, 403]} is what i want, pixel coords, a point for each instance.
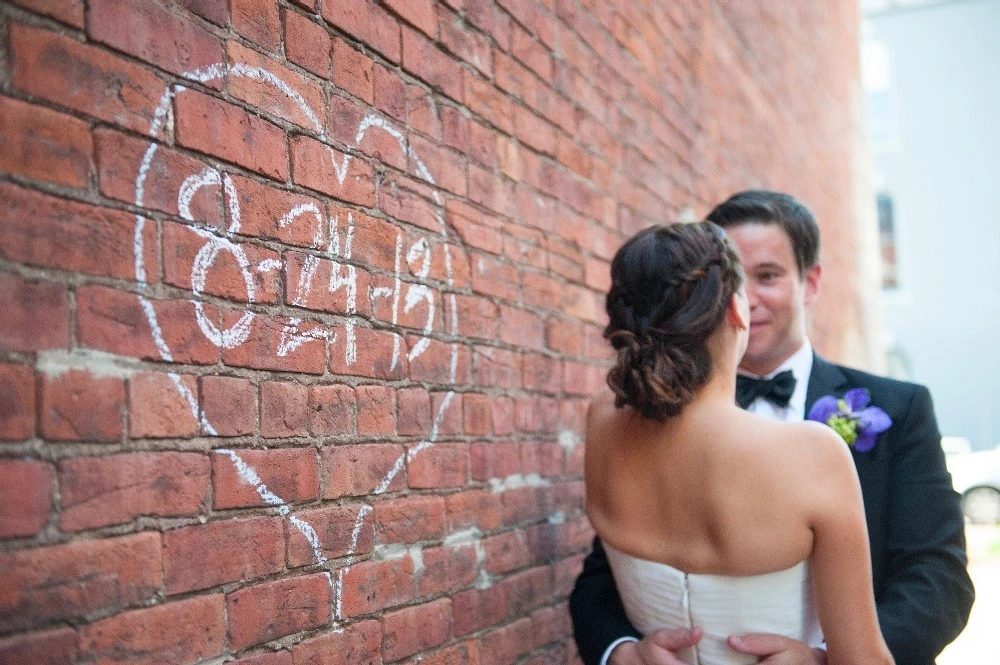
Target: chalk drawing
{"type": "Point", "coordinates": [343, 276]}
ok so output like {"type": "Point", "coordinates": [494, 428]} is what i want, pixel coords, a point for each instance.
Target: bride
{"type": "Point", "coordinates": [713, 518]}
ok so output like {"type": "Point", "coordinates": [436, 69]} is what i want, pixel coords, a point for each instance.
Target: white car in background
{"type": "Point", "coordinates": [976, 476]}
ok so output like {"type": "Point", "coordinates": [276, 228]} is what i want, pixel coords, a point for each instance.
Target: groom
{"type": "Point", "coordinates": [922, 590]}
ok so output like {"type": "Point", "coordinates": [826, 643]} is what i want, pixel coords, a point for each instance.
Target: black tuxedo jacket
{"type": "Point", "coordinates": [915, 526]}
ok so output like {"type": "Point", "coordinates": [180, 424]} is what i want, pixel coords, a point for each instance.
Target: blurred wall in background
{"type": "Point", "coordinates": [933, 89]}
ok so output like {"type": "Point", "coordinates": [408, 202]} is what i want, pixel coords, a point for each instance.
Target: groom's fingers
{"type": "Point", "coordinates": [675, 639]}
{"type": "Point", "coordinates": [777, 650]}
{"type": "Point", "coordinates": [661, 647]}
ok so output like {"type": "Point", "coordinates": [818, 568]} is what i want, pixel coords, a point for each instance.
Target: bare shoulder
{"type": "Point", "coordinates": [816, 452]}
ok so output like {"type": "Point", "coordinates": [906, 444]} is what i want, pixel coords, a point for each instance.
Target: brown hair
{"type": "Point", "coordinates": [670, 287]}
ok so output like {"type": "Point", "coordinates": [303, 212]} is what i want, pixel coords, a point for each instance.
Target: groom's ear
{"type": "Point", "coordinates": [812, 279]}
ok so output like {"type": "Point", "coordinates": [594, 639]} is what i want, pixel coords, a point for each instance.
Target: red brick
{"type": "Point", "coordinates": [325, 285]}
{"type": "Point", "coordinates": [288, 473]}
{"type": "Point", "coordinates": [334, 527]}
{"type": "Point", "coordinates": [504, 418]}
{"type": "Point", "coordinates": [359, 469]}
{"type": "Point", "coordinates": [491, 19]}
{"type": "Point", "coordinates": [183, 249]}
{"type": "Point", "coordinates": [357, 644]}
{"type": "Point", "coordinates": [564, 336]}
{"type": "Point", "coordinates": [434, 364]}
{"type": "Point", "coordinates": [413, 411]}
{"type": "Point", "coordinates": [214, 11]}
{"type": "Point", "coordinates": [52, 647]}
{"type": "Point", "coordinates": [506, 644]}
{"type": "Point", "coordinates": [409, 519]}
{"type": "Point", "coordinates": [39, 143]}
{"type": "Point", "coordinates": [423, 111]}
{"type": "Point", "coordinates": [525, 504]}
{"type": "Point", "coordinates": [265, 210]}
{"type": "Point", "coordinates": [159, 407]}
{"type": "Point", "coordinates": [447, 568]}
{"type": "Point", "coordinates": [332, 410]}
{"type": "Point", "coordinates": [352, 71]}
{"type": "Point", "coordinates": [365, 21]}
{"type": "Point", "coordinates": [494, 278]}
{"type": "Point", "coordinates": [375, 242]}
{"type": "Point", "coordinates": [45, 231]}
{"type": "Point", "coordinates": [149, 32]}
{"type": "Point", "coordinates": [506, 552]}
{"type": "Point", "coordinates": [533, 54]}
{"type": "Point", "coordinates": [521, 328]}
{"type": "Point", "coordinates": [307, 44]}
{"type": "Point", "coordinates": [389, 92]}
{"type": "Point", "coordinates": [305, 112]}
{"type": "Point", "coordinates": [439, 466]}
{"type": "Point", "coordinates": [541, 290]}
{"type": "Point", "coordinates": [267, 658]}
{"type": "Point", "coordinates": [258, 21]}
{"type": "Point", "coordinates": [36, 314]}
{"type": "Point", "coordinates": [423, 59]}
{"type": "Point", "coordinates": [491, 461]}
{"type": "Point", "coordinates": [229, 405]}
{"type": "Point", "coordinates": [376, 410]}
{"type": "Point", "coordinates": [469, 45]}
{"type": "Point", "coordinates": [419, 13]}
{"type": "Point", "coordinates": [541, 373]}
{"type": "Point", "coordinates": [476, 414]}
{"type": "Point", "coordinates": [482, 98]}
{"type": "Point", "coordinates": [497, 368]}
{"type": "Point", "coordinates": [216, 128]}
{"type": "Point", "coordinates": [313, 168]}
{"type": "Point", "coordinates": [542, 457]}
{"type": "Point", "coordinates": [78, 406]}
{"type": "Point", "coordinates": [283, 409]}
{"type": "Point", "coordinates": [414, 629]}
{"type": "Point", "coordinates": [267, 611]}
{"type": "Point", "coordinates": [226, 551]}
{"type": "Point", "coordinates": [48, 584]}
{"type": "Point", "coordinates": [372, 586]}
{"type": "Point", "coordinates": [151, 635]}
{"type": "Point", "coordinates": [447, 412]}
{"type": "Point", "coordinates": [119, 158]}
{"type": "Point", "coordinates": [528, 590]}
{"type": "Point", "coordinates": [26, 494]}
{"type": "Point", "coordinates": [68, 72]}
{"type": "Point", "coordinates": [17, 400]}
{"type": "Point", "coordinates": [551, 624]}
{"type": "Point", "coordinates": [473, 508]}
{"type": "Point", "coordinates": [476, 609]}
{"type": "Point", "coordinates": [65, 11]}
{"type": "Point", "coordinates": [115, 321]}
{"type": "Point", "coordinates": [278, 343]}
{"type": "Point", "coordinates": [465, 653]}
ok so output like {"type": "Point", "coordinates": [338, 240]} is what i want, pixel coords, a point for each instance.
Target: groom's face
{"type": "Point", "coordinates": [778, 295]}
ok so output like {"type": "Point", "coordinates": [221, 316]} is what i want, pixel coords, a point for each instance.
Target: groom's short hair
{"type": "Point", "coordinates": [761, 206]}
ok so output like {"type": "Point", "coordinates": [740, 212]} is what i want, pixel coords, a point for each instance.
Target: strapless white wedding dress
{"type": "Point", "coordinates": [657, 596]}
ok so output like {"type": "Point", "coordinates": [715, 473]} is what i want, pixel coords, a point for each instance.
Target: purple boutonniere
{"type": "Point", "coordinates": [857, 423]}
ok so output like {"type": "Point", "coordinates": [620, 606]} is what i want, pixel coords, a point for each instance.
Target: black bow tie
{"type": "Point", "coordinates": [777, 390]}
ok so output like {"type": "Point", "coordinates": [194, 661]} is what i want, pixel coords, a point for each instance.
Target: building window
{"type": "Point", "coordinates": [887, 241]}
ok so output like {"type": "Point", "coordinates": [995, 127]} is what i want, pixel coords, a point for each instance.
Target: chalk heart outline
{"type": "Point", "coordinates": [239, 332]}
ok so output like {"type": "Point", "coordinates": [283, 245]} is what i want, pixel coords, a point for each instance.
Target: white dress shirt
{"type": "Point", "coordinates": [800, 363]}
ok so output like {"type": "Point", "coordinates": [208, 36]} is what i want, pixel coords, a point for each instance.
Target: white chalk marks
{"type": "Point", "coordinates": [340, 235]}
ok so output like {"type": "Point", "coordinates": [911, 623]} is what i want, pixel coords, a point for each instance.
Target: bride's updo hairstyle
{"type": "Point", "coordinates": [670, 287]}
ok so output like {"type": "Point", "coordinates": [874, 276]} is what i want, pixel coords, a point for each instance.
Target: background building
{"type": "Point", "coordinates": [932, 86]}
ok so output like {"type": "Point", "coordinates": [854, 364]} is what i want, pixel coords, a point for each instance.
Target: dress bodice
{"type": "Point", "coordinates": [656, 595]}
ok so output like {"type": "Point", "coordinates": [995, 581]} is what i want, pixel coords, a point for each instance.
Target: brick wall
{"type": "Point", "coordinates": [301, 301]}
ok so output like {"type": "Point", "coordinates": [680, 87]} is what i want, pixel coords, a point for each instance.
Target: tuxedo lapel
{"type": "Point", "coordinates": [828, 379]}
{"type": "Point", "coordinates": [825, 379]}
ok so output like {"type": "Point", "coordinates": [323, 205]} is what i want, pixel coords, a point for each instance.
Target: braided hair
{"type": "Point", "coordinates": [670, 287]}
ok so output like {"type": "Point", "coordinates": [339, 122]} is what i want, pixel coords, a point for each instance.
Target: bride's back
{"type": "Point", "coordinates": [713, 490]}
